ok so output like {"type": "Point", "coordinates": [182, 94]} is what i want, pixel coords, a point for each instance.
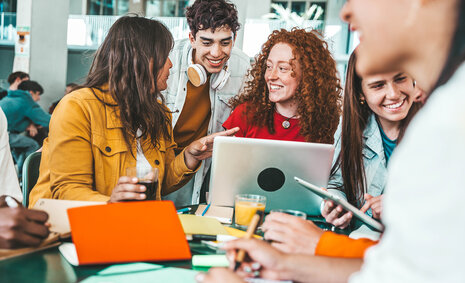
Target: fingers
{"type": "Point", "coordinates": [127, 180]}
{"type": "Point", "coordinates": [327, 208]}
{"type": "Point", "coordinates": [369, 201]}
{"type": "Point", "coordinates": [343, 221]}
{"type": "Point", "coordinates": [275, 236]}
{"type": "Point", "coordinates": [36, 215]}
{"type": "Point", "coordinates": [334, 214]}
{"type": "Point", "coordinates": [36, 230]}
{"type": "Point", "coordinates": [229, 132]}
{"type": "Point", "coordinates": [127, 189]}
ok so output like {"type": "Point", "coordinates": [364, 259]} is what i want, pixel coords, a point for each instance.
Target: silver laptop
{"type": "Point", "coordinates": [268, 167]}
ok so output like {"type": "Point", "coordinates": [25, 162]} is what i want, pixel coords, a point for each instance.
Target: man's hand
{"type": "Point", "coordinates": [202, 149]}
{"type": "Point", "coordinates": [20, 227]}
{"type": "Point", "coordinates": [32, 130]}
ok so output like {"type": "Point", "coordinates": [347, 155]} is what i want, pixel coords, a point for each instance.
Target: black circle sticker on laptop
{"type": "Point", "coordinates": [271, 179]}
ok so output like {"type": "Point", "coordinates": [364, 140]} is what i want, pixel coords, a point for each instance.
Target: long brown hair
{"type": "Point", "coordinates": [122, 67]}
{"type": "Point", "coordinates": [318, 94]}
{"type": "Point", "coordinates": [354, 121]}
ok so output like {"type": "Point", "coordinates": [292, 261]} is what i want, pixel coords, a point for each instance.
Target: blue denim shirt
{"type": "Point", "coordinates": [20, 110]}
{"type": "Point", "coordinates": [374, 161]}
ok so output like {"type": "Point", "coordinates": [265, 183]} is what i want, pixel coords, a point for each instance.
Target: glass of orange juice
{"type": "Point", "coordinates": [245, 208]}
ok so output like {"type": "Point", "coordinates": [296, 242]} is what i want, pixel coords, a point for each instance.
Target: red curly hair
{"type": "Point", "coordinates": [319, 92]}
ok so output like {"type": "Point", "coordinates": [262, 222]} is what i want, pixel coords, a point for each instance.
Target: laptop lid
{"type": "Point", "coordinates": [267, 167]}
{"type": "Point", "coordinates": [127, 232]}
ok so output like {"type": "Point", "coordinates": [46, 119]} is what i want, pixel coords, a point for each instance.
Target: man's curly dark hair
{"type": "Point", "coordinates": [214, 14]}
{"type": "Point", "coordinates": [319, 92]}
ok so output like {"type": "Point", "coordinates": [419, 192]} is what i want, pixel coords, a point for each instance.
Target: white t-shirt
{"type": "Point", "coordinates": [424, 201]}
{"type": "Point", "coordinates": [9, 184]}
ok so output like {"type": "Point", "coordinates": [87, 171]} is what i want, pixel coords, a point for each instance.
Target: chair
{"type": "Point", "coordinates": [30, 174]}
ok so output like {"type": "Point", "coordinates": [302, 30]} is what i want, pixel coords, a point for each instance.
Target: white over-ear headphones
{"type": "Point", "coordinates": [198, 75]}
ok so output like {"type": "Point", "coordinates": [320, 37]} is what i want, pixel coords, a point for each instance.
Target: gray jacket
{"type": "Point", "coordinates": [175, 95]}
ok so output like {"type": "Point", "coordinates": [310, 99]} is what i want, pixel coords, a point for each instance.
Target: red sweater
{"type": "Point", "coordinates": [242, 120]}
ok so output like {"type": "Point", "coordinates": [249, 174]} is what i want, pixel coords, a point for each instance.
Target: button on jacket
{"type": "Point", "coordinates": [85, 153]}
{"type": "Point", "coordinates": [175, 94]}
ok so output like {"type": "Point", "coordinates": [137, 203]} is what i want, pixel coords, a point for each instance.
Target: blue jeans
{"type": "Point", "coordinates": [21, 146]}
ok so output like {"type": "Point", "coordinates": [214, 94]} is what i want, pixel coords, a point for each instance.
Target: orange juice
{"type": "Point", "coordinates": [245, 210]}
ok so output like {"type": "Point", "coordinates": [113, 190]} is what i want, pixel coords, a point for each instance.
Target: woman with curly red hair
{"type": "Point", "coordinates": [294, 91]}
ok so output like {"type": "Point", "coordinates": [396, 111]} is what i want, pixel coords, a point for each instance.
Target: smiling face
{"type": "Point", "coordinates": [212, 49]}
{"type": "Point", "coordinates": [389, 96]}
{"type": "Point", "coordinates": [385, 32]}
{"type": "Point", "coordinates": [283, 74]}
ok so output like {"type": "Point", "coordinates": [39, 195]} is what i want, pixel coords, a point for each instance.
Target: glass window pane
{"type": "Point", "coordinates": [100, 7]}
{"type": "Point", "coordinates": [320, 12]}
{"type": "Point", "coordinates": [182, 8]}
{"type": "Point", "coordinates": [123, 7]}
{"type": "Point", "coordinates": [298, 8]}
{"type": "Point", "coordinates": [282, 3]}
{"type": "Point", "coordinates": [169, 8]}
{"type": "Point", "coordinates": [153, 8]}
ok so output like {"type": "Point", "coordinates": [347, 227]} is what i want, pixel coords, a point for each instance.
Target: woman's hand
{"type": "Point", "coordinates": [335, 215]}
{"type": "Point", "coordinates": [375, 203]}
{"type": "Point", "coordinates": [265, 261]}
{"type": "Point", "coordinates": [202, 149]}
{"type": "Point", "coordinates": [291, 234]}
{"type": "Point", "coordinates": [127, 189]}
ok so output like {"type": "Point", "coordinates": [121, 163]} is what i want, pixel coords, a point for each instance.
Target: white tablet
{"type": "Point", "coordinates": [344, 203]}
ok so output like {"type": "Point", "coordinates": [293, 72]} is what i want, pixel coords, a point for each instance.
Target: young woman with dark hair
{"type": "Point", "coordinates": [294, 91]}
{"type": "Point", "coordinates": [117, 120]}
{"type": "Point", "coordinates": [376, 112]}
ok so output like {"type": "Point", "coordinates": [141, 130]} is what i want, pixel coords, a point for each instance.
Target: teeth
{"type": "Point", "coordinates": [393, 106]}
{"type": "Point", "coordinates": [214, 61]}
{"type": "Point", "coordinates": [275, 87]}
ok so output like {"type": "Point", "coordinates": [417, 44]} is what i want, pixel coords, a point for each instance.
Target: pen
{"type": "Point", "coordinates": [206, 209]}
{"type": "Point", "coordinates": [182, 210]}
{"type": "Point", "coordinates": [203, 237]}
{"type": "Point", "coordinates": [11, 202]}
{"type": "Point", "coordinates": [250, 231]}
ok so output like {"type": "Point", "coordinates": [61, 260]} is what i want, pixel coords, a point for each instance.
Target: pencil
{"type": "Point", "coordinates": [250, 231]}
{"type": "Point", "coordinates": [206, 209]}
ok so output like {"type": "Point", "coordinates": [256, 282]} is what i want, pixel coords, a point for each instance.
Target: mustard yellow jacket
{"type": "Point", "coordinates": [85, 153]}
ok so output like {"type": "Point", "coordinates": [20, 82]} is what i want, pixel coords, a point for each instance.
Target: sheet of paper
{"type": "Point", "coordinates": [210, 261]}
{"type": "Point", "coordinates": [222, 213]}
{"type": "Point", "coordinates": [130, 267]}
{"type": "Point", "coordinates": [161, 275]}
{"type": "Point", "coordinates": [56, 209]}
{"type": "Point", "coordinates": [193, 224]}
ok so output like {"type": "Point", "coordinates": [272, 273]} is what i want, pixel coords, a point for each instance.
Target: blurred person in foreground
{"type": "Point", "coordinates": [422, 241]}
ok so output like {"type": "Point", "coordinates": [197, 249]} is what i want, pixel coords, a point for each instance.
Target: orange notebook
{"type": "Point", "coordinates": [127, 232]}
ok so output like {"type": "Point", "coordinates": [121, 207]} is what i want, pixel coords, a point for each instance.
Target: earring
{"type": "Point", "coordinates": [362, 101]}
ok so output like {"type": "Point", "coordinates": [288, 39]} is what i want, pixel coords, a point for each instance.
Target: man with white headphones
{"type": "Point", "coordinates": [207, 71]}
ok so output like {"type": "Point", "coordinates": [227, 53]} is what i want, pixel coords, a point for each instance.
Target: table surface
{"type": "Point", "coordinates": [50, 266]}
